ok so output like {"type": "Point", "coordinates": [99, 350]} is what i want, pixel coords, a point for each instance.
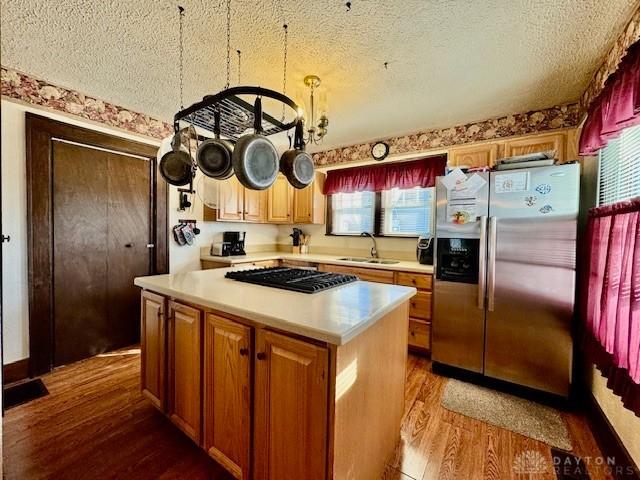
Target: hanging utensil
{"type": "Point", "coordinates": [176, 166]}
{"type": "Point", "coordinates": [296, 164]}
{"type": "Point", "coordinates": [255, 159]}
{"type": "Point", "coordinates": [214, 155]}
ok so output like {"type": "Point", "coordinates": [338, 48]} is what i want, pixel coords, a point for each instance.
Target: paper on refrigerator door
{"type": "Point", "coordinates": [454, 179]}
{"type": "Point", "coordinates": [474, 183]}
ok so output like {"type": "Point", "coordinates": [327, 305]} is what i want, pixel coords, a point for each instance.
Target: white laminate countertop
{"type": "Point", "coordinates": [335, 316]}
{"type": "Point", "coordinates": [402, 265]}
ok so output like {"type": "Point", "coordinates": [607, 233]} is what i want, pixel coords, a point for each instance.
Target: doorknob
{"type": "Point", "coordinates": [128, 245]}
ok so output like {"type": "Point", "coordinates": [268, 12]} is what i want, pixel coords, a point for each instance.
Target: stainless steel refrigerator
{"type": "Point", "coordinates": [504, 263]}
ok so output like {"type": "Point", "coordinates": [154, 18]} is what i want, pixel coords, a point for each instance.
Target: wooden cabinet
{"type": "Point", "coordinates": [419, 334]}
{"type": "Point", "coordinates": [152, 347]}
{"type": "Point", "coordinates": [238, 204]}
{"type": "Point", "coordinates": [230, 200]}
{"type": "Point", "coordinates": [227, 394]}
{"type": "Point", "coordinates": [290, 408]}
{"type": "Point", "coordinates": [279, 201]}
{"type": "Point", "coordinates": [420, 281]}
{"type": "Point", "coordinates": [483, 155]}
{"type": "Point", "coordinates": [537, 143]}
{"type": "Point", "coordinates": [366, 274]}
{"type": "Point", "coordinates": [255, 205]}
{"type": "Point", "coordinates": [184, 366]}
{"type": "Point", "coordinates": [309, 203]}
{"type": "Point", "coordinates": [419, 305]}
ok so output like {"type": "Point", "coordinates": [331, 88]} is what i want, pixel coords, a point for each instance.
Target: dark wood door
{"type": "Point", "coordinates": [101, 212]}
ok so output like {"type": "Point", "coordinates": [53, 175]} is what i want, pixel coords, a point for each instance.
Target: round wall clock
{"type": "Point", "coordinates": [379, 151]}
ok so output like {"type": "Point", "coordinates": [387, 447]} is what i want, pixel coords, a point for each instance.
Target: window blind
{"type": "Point", "coordinates": [352, 213]}
{"type": "Point", "coordinates": [619, 174]}
{"type": "Point", "coordinates": [407, 212]}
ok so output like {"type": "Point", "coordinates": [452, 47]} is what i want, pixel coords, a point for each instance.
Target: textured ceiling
{"type": "Point", "coordinates": [449, 61]}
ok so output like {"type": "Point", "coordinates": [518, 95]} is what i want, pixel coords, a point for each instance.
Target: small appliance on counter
{"type": "Point", "coordinates": [222, 249]}
{"type": "Point", "coordinates": [424, 250]}
{"type": "Point", "coordinates": [235, 241]}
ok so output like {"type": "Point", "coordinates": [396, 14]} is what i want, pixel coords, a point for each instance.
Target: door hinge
{"type": "Point", "coordinates": [5, 238]}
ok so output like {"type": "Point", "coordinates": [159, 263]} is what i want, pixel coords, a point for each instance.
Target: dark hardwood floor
{"type": "Point", "coordinates": [96, 425]}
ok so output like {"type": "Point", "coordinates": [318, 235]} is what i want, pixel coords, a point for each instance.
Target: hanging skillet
{"type": "Point", "coordinates": [255, 159]}
{"type": "Point", "coordinates": [176, 166]}
{"type": "Point", "coordinates": [296, 164]}
{"type": "Point", "coordinates": [214, 155]}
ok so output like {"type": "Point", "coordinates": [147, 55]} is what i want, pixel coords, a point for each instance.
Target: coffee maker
{"type": "Point", "coordinates": [235, 241]}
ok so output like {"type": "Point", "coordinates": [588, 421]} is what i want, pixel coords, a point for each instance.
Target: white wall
{"type": "Point", "coordinates": [187, 257]}
{"type": "Point", "coordinates": [15, 302]}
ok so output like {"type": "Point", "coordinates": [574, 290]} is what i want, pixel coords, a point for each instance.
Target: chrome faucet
{"type": "Point", "coordinates": [374, 249]}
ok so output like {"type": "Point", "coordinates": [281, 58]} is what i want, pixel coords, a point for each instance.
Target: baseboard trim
{"type": "Point", "coordinates": [16, 371]}
{"type": "Point", "coordinates": [609, 441]}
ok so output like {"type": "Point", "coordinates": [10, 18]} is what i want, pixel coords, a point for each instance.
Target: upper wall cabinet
{"type": "Point", "coordinates": [238, 204]}
{"type": "Point", "coordinates": [537, 143]}
{"type": "Point", "coordinates": [483, 155]}
{"type": "Point", "coordinates": [280, 201]}
{"type": "Point", "coordinates": [309, 203]}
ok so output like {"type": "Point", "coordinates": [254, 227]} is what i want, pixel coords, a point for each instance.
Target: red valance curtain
{"type": "Point", "coordinates": [617, 107]}
{"type": "Point", "coordinates": [417, 173]}
{"type": "Point", "coordinates": [611, 299]}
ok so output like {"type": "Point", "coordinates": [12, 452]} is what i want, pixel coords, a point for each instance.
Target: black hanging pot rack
{"type": "Point", "coordinates": [236, 114]}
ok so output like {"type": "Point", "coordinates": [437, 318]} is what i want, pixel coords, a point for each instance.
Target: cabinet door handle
{"type": "Point", "coordinates": [261, 356]}
{"type": "Point", "coordinates": [244, 351]}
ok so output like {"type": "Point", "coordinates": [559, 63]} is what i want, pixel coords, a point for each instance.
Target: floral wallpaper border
{"type": "Point", "coordinates": [510, 125]}
{"type": "Point", "coordinates": [628, 37]}
{"type": "Point", "coordinates": [28, 89]}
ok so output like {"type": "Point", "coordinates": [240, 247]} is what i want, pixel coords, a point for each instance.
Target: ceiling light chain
{"type": "Point", "coordinates": [239, 65]}
{"type": "Point", "coordinates": [181, 48]}
{"type": "Point", "coordinates": [284, 70]}
{"type": "Point", "coordinates": [228, 43]}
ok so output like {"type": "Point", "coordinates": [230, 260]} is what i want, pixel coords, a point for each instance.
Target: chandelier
{"type": "Point", "coordinates": [317, 129]}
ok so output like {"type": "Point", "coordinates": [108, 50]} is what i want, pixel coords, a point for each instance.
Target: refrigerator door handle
{"type": "Point", "coordinates": [482, 263]}
{"type": "Point", "coordinates": [491, 263]}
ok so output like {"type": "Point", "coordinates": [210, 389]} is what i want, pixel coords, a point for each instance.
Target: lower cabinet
{"type": "Point", "coordinates": [152, 348]}
{"type": "Point", "coordinates": [184, 361]}
{"type": "Point", "coordinates": [217, 380]}
{"type": "Point", "coordinates": [227, 394]}
{"type": "Point", "coordinates": [290, 408]}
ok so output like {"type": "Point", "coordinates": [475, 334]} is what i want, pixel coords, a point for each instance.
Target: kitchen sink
{"type": "Point", "coordinates": [369, 260]}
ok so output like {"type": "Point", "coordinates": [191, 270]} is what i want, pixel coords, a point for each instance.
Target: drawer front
{"type": "Point", "coordinates": [420, 306]}
{"type": "Point", "coordinates": [366, 274]}
{"type": "Point", "coordinates": [421, 281]}
{"type": "Point", "coordinates": [419, 334]}
{"type": "Point", "coordinates": [265, 263]}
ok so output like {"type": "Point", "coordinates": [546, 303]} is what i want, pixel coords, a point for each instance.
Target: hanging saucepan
{"type": "Point", "coordinates": [255, 159]}
{"type": "Point", "coordinates": [296, 164]}
{"type": "Point", "coordinates": [214, 155]}
{"type": "Point", "coordinates": [176, 166]}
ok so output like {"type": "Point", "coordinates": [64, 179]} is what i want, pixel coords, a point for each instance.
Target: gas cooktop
{"type": "Point", "coordinates": [296, 279]}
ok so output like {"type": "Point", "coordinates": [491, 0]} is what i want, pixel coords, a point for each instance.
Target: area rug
{"type": "Point", "coordinates": [506, 411]}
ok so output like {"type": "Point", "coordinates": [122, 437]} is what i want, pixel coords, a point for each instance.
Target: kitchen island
{"type": "Point", "coordinates": [275, 384]}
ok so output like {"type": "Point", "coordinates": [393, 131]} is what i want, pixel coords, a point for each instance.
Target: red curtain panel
{"type": "Point", "coordinates": [611, 300]}
{"type": "Point", "coordinates": [616, 108]}
{"type": "Point", "coordinates": [375, 178]}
